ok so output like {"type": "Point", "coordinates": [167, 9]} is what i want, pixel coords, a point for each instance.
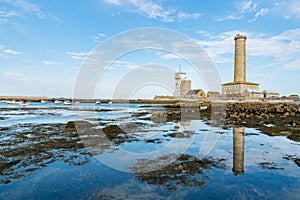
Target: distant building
{"type": "Point", "coordinates": [195, 94]}
{"type": "Point", "coordinates": [256, 95]}
{"type": "Point", "coordinates": [213, 95]}
{"type": "Point", "coordinates": [269, 95]}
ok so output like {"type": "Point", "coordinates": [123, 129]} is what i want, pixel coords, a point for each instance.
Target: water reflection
{"type": "Point", "coordinates": [238, 150]}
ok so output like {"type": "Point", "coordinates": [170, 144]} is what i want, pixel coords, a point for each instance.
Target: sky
{"type": "Point", "coordinates": [45, 44]}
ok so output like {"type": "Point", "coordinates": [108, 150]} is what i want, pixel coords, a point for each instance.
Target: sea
{"type": "Point", "coordinates": [42, 156]}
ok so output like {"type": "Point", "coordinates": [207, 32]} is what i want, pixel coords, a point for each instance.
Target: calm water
{"type": "Point", "coordinates": [223, 163]}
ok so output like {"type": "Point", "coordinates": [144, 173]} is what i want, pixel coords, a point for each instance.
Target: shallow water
{"type": "Point", "coordinates": [215, 162]}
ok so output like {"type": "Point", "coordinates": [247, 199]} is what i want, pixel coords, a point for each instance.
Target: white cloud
{"type": "Point", "coordinates": [182, 16]}
{"type": "Point", "coordinates": [169, 56]}
{"type": "Point", "coordinates": [156, 11]}
{"type": "Point", "coordinates": [293, 65]}
{"type": "Point", "coordinates": [247, 6]}
{"type": "Point", "coordinates": [229, 17]}
{"type": "Point", "coordinates": [9, 51]}
{"type": "Point", "coordinates": [217, 46]}
{"type": "Point", "coordinates": [259, 13]}
{"type": "Point", "coordinates": [283, 49]}
{"type": "Point", "coordinates": [97, 37]}
{"type": "Point", "coordinates": [78, 55]}
{"type": "Point", "coordinates": [5, 14]}
{"type": "Point", "coordinates": [153, 10]}
{"type": "Point", "coordinates": [24, 6]}
{"type": "Point", "coordinates": [123, 65]}
{"type": "Point", "coordinates": [117, 2]}
{"type": "Point", "coordinates": [245, 9]}
{"type": "Point", "coordinates": [48, 62]}
{"type": "Point", "coordinates": [288, 8]}
{"type": "Point", "coordinates": [16, 76]}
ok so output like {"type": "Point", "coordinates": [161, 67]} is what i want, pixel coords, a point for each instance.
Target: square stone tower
{"type": "Point", "coordinates": [239, 87]}
{"type": "Point", "coordinates": [182, 85]}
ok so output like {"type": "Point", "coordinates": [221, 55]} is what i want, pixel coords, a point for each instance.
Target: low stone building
{"type": "Point", "coordinates": [195, 94]}
{"type": "Point", "coordinates": [213, 95]}
{"type": "Point", "coordinates": [256, 95]}
{"type": "Point", "coordinates": [270, 95]}
{"type": "Point", "coordinates": [236, 88]}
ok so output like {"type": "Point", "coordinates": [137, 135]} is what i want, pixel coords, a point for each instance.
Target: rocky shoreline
{"type": "Point", "coordinates": [274, 119]}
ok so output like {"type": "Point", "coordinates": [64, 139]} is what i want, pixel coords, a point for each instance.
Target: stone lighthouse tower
{"type": "Point", "coordinates": [240, 58]}
{"type": "Point", "coordinates": [239, 88]}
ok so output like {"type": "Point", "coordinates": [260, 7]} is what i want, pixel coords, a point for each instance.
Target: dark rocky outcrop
{"type": "Point", "coordinates": [112, 131]}
{"type": "Point", "coordinates": [76, 125]}
{"type": "Point", "coordinates": [297, 161]}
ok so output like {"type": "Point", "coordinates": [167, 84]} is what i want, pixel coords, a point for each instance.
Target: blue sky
{"type": "Point", "coordinates": [44, 43]}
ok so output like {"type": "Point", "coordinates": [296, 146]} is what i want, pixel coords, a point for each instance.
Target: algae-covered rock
{"type": "Point", "coordinates": [112, 131]}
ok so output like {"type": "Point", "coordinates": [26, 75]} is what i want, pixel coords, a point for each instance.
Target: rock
{"type": "Point", "coordinates": [112, 131]}
{"type": "Point", "coordinates": [175, 115]}
{"type": "Point", "coordinates": [129, 127]}
{"type": "Point", "coordinates": [159, 117]}
{"type": "Point", "coordinates": [157, 141]}
{"type": "Point", "coordinates": [71, 125]}
{"type": "Point", "coordinates": [297, 161]}
{"type": "Point", "coordinates": [178, 135]}
{"type": "Point", "coordinates": [74, 125]}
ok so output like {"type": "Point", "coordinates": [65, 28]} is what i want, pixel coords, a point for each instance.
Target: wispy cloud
{"type": "Point", "coordinates": [23, 6]}
{"type": "Point", "coordinates": [78, 55]}
{"type": "Point", "coordinates": [259, 13]}
{"type": "Point", "coordinates": [6, 15]}
{"type": "Point", "coordinates": [156, 11]}
{"type": "Point", "coordinates": [288, 8]}
{"type": "Point", "coordinates": [229, 17]}
{"type": "Point", "coordinates": [245, 9]}
{"type": "Point", "coordinates": [293, 65]}
{"type": "Point", "coordinates": [10, 51]}
{"type": "Point", "coordinates": [117, 2]}
{"type": "Point", "coordinates": [168, 56]}
{"type": "Point", "coordinates": [26, 6]}
{"type": "Point", "coordinates": [97, 37]}
{"type": "Point", "coordinates": [48, 62]}
{"type": "Point", "coordinates": [153, 10]}
{"type": "Point", "coordinates": [16, 76]}
{"type": "Point", "coordinates": [183, 16]}
{"type": "Point", "coordinates": [247, 6]}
